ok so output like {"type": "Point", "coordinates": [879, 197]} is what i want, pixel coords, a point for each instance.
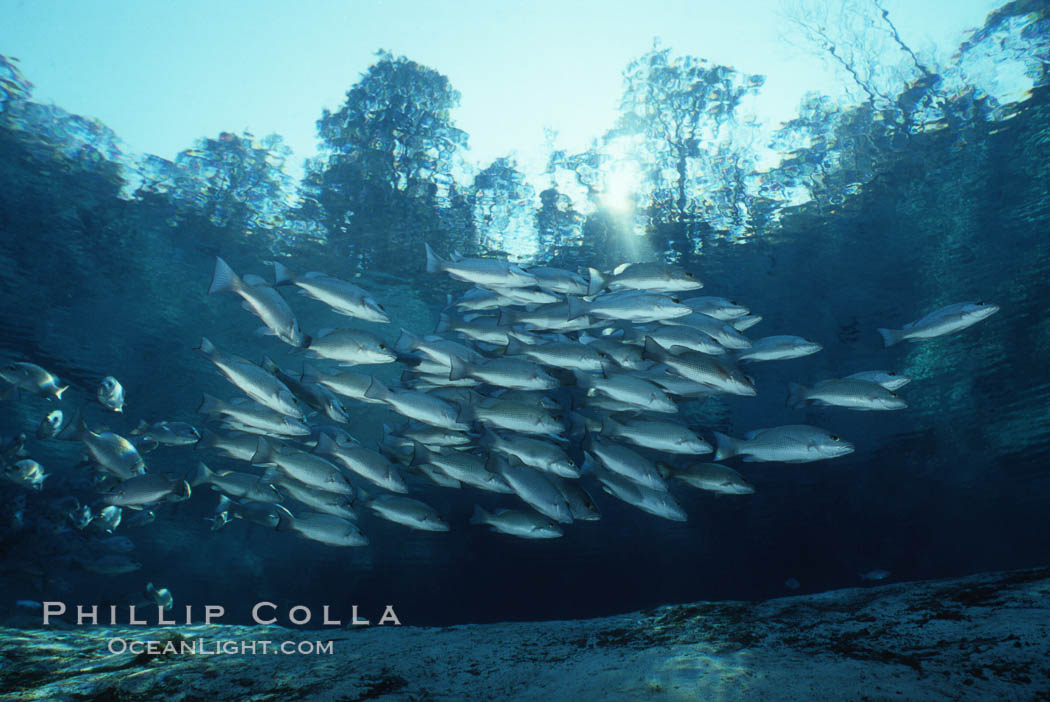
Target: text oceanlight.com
{"type": "Point", "coordinates": [220, 647]}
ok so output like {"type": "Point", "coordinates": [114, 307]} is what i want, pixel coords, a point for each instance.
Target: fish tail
{"type": "Point", "coordinates": [577, 307]}
{"type": "Point", "coordinates": [506, 318]}
{"type": "Point", "coordinates": [59, 391]}
{"type": "Point", "coordinates": [377, 391]}
{"type": "Point", "coordinates": [480, 516]}
{"type": "Point", "coordinates": [263, 452]}
{"type": "Point", "coordinates": [726, 446]}
{"type": "Point", "coordinates": [444, 322]}
{"type": "Point", "coordinates": [797, 395]}
{"type": "Point", "coordinates": [420, 454]}
{"type": "Point", "coordinates": [458, 368]}
{"type": "Point", "coordinates": [281, 275]}
{"type": "Point", "coordinates": [434, 262]}
{"type": "Point", "coordinates": [891, 336]}
{"type": "Point", "coordinates": [206, 347]}
{"type": "Point", "coordinates": [209, 404]}
{"type": "Point", "coordinates": [596, 283]}
{"type": "Point", "coordinates": [203, 475]}
{"type": "Point", "coordinates": [653, 351]}
{"type": "Point", "coordinates": [407, 341]}
{"type": "Point", "coordinates": [224, 279]}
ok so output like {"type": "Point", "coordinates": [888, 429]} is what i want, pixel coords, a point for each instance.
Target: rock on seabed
{"type": "Point", "coordinates": [982, 637]}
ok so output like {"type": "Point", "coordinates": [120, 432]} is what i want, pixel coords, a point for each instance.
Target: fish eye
{"type": "Point", "coordinates": [892, 373]}
{"type": "Point", "coordinates": [834, 438]}
{"type": "Point", "coordinates": [383, 346]}
{"type": "Point", "coordinates": [689, 275]}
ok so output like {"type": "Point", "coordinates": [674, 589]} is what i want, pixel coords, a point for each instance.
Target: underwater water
{"type": "Point", "coordinates": [919, 196]}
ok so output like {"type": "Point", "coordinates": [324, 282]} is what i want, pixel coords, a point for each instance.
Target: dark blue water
{"type": "Point", "coordinates": [105, 263]}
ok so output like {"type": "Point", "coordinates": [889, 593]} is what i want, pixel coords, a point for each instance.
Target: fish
{"type": "Point", "coordinates": [307, 468]}
{"type": "Point", "coordinates": [778, 348]}
{"type": "Point", "coordinates": [852, 394]}
{"type": "Point", "coordinates": [337, 504]}
{"type": "Point", "coordinates": [533, 452]}
{"type": "Point", "coordinates": [419, 406]}
{"type": "Point", "coordinates": [408, 512]}
{"type": "Point", "coordinates": [433, 436]}
{"type": "Point", "coordinates": [32, 378]}
{"type": "Point", "coordinates": [526, 525]}
{"type": "Point", "coordinates": [50, 425]}
{"type": "Point", "coordinates": [717, 307]}
{"type": "Point", "coordinates": [630, 306]}
{"type": "Point", "coordinates": [347, 383]}
{"type": "Point", "coordinates": [946, 320]}
{"type": "Point", "coordinates": [875, 575]}
{"type": "Point", "coordinates": [147, 489]}
{"type": "Point", "coordinates": [891, 380]}
{"type": "Point", "coordinates": [81, 516]}
{"type": "Point", "coordinates": [742, 324]}
{"type": "Point", "coordinates": [27, 473]}
{"type": "Point", "coordinates": [685, 337]}
{"type": "Point", "coordinates": [484, 329]}
{"type": "Point", "coordinates": [554, 316]}
{"type": "Point", "coordinates": [723, 332]}
{"type": "Point", "coordinates": [794, 443]}
{"type": "Point", "coordinates": [630, 464]}
{"type": "Point", "coordinates": [111, 394]}
{"type": "Point", "coordinates": [161, 597]}
{"type": "Point", "coordinates": [323, 528]}
{"type": "Point", "coordinates": [714, 478]}
{"type": "Point", "coordinates": [168, 433]}
{"type": "Point", "coordinates": [364, 462]}
{"type": "Point", "coordinates": [504, 373]}
{"type": "Point", "coordinates": [656, 435]}
{"type": "Point", "coordinates": [239, 446]}
{"type": "Point", "coordinates": [658, 503]}
{"type": "Point", "coordinates": [263, 301]}
{"type": "Point", "coordinates": [701, 368]}
{"type": "Point", "coordinates": [350, 347]}
{"type": "Point", "coordinates": [651, 276]}
{"type": "Point", "coordinates": [515, 416]}
{"type": "Point", "coordinates": [558, 280]}
{"type": "Point", "coordinates": [634, 391]}
{"type": "Point", "coordinates": [267, 514]}
{"type": "Point", "coordinates": [463, 467]}
{"type": "Point", "coordinates": [114, 544]}
{"type": "Point", "coordinates": [488, 272]}
{"type": "Point", "coordinates": [533, 488]}
{"type": "Point", "coordinates": [110, 565]}
{"type": "Point", "coordinates": [108, 518]}
{"type": "Point", "coordinates": [581, 504]}
{"type": "Point", "coordinates": [342, 297]}
{"type": "Point", "coordinates": [561, 354]}
{"type": "Point", "coordinates": [257, 383]}
{"type": "Point", "coordinates": [114, 453]}
{"type": "Point", "coordinates": [253, 418]}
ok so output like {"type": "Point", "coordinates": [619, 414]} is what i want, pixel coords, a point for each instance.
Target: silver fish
{"type": "Point", "coordinates": [409, 512]}
{"type": "Point", "coordinates": [324, 528]}
{"type": "Point", "coordinates": [307, 468]}
{"type": "Point", "coordinates": [111, 394]}
{"type": "Point", "coordinates": [651, 276]}
{"type": "Point", "coordinates": [725, 333]}
{"type": "Point", "coordinates": [717, 307]}
{"type": "Point", "coordinates": [946, 320]}
{"type": "Point", "coordinates": [254, 418]}
{"type": "Point", "coordinates": [701, 368]}
{"type": "Point", "coordinates": [533, 452]}
{"type": "Point", "coordinates": [343, 297]}
{"type": "Point", "coordinates": [50, 425]}
{"type": "Point", "coordinates": [370, 465]}
{"type": "Point", "coordinates": [853, 394]}
{"type": "Point", "coordinates": [778, 348]}
{"type": "Point", "coordinates": [27, 473]}
{"type": "Point", "coordinates": [714, 478]}
{"type": "Point", "coordinates": [527, 525]}
{"type": "Point", "coordinates": [629, 389]}
{"type": "Point", "coordinates": [891, 380]}
{"type": "Point", "coordinates": [244, 485]}
{"type": "Point", "coordinates": [630, 306]}
{"type": "Point", "coordinates": [351, 347]}
{"type": "Point", "coordinates": [629, 464]}
{"type": "Point", "coordinates": [333, 503]}
{"type": "Point", "coordinates": [162, 597]}
{"type": "Point", "coordinates": [32, 378]}
{"type": "Point", "coordinates": [419, 406]}
{"type": "Point", "coordinates": [265, 302]}
{"type": "Point", "coordinates": [168, 433]}
{"type": "Point", "coordinates": [657, 435]}
{"type": "Point", "coordinates": [795, 443]}
{"type": "Point", "coordinates": [481, 271]}
{"type": "Point", "coordinates": [656, 502]}
{"type": "Point", "coordinates": [559, 280]}
{"type": "Point", "coordinates": [534, 488]}
{"type": "Point", "coordinates": [503, 372]}
{"type": "Point", "coordinates": [463, 467]}
{"type": "Point", "coordinates": [147, 489]}
{"type": "Point", "coordinates": [258, 384]}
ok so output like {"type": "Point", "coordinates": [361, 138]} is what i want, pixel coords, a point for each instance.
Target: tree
{"type": "Point", "coordinates": [679, 119]}
{"type": "Point", "coordinates": [388, 156]}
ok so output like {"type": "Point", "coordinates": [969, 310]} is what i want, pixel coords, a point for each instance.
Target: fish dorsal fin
{"type": "Point", "coordinates": [255, 280]}
{"type": "Point", "coordinates": [752, 434]}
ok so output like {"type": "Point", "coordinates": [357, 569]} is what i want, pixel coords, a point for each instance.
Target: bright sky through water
{"type": "Point", "coordinates": [162, 74]}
